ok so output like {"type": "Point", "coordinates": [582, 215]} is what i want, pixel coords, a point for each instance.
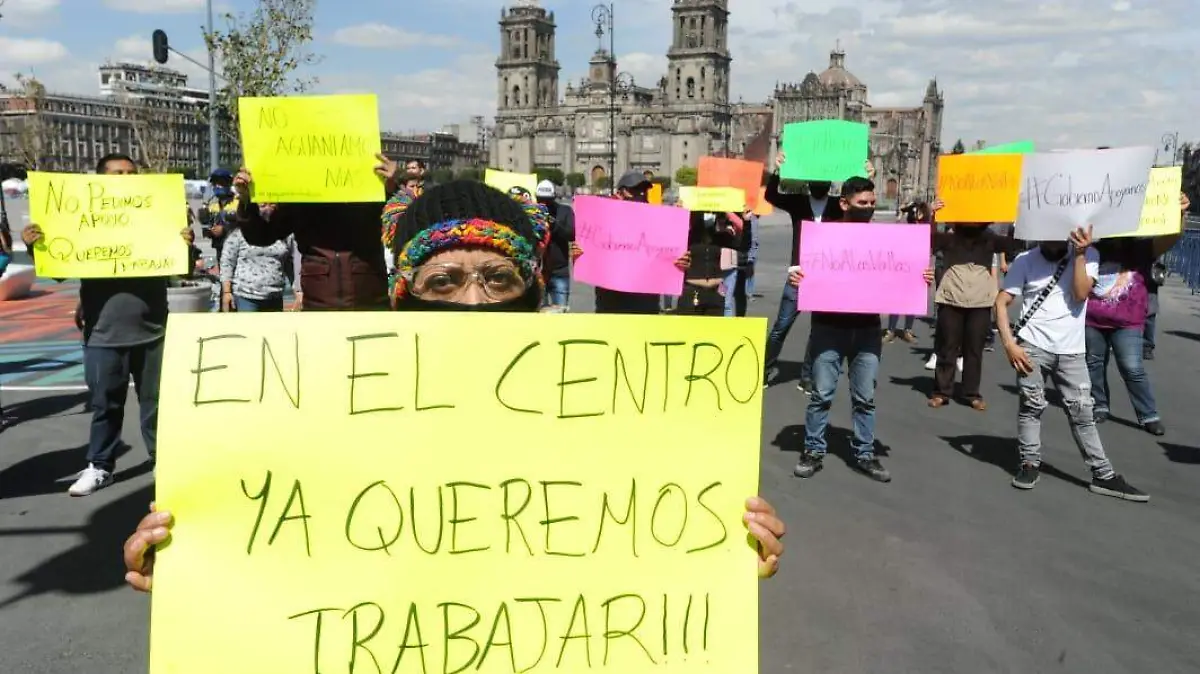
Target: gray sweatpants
{"type": "Point", "coordinates": [1070, 376]}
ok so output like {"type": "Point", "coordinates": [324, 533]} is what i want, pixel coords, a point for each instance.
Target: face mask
{"type": "Point", "coordinates": [819, 190]}
{"type": "Point", "coordinates": [1053, 251]}
{"type": "Point", "coordinates": [856, 214]}
{"type": "Point", "coordinates": [548, 202]}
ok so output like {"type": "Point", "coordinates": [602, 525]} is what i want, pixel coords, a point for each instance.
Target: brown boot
{"type": "Point", "coordinates": [938, 401]}
{"type": "Point", "coordinates": [978, 405]}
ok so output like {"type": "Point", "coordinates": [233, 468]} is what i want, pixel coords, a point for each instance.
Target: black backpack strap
{"type": "Point", "coordinates": [1037, 302]}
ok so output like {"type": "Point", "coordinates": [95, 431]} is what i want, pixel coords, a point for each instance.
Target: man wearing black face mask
{"type": "Point", "coordinates": [816, 206]}
{"type": "Point", "coordinates": [856, 339]}
{"type": "Point", "coordinates": [633, 186]}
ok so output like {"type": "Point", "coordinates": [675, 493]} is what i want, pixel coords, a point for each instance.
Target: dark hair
{"type": "Point", "coordinates": [856, 185]}
{"type": "Point", "coordinates": [418, 162]}
{"type": "Point", "coordinates": [406, 178]}
{"type": "Point", "coordinates": [111, 157]}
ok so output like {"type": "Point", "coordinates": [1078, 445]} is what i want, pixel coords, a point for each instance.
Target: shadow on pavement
{"type": "Point", "coordinates": [922, 384]}
{"type": "Point", "coordinates": [1185, 334]}
{"type": "Point", "coordinates": [45, 407]}
{"type": "Point", "coordinates": [38, 365]}
{"type": "Point", "coordinates": [791, 439]}
{"type": "Point", "coordinates": [786, 371]}
{"type": "Point", "coordinates": [44, 473]}
{"type": "Point", "coordinates": [1002, 453]}
{"type": "Point", "coordinates": [94, 564]}
{"type": "Point", "coordinates": [1181, 453]}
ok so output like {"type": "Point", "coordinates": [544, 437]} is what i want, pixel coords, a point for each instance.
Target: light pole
{"type": "Point", "coordinates": [1170, 145]}
{"type": "Point", "coordinates": [162, 47]}
{"type": "Point", "coordinates": [604, 18]}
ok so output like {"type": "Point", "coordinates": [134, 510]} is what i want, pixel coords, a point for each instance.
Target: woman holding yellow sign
{"type": "Point", "coordinates": [463, 246]}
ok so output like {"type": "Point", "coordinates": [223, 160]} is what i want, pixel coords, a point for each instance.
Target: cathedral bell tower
{"type": "Point", "coordinates": [527, 70]}
{"type": "Point", "coordinates": [699, 55]}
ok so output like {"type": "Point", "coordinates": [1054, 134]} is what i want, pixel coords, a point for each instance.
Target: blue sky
{"type": "Point", "coordinates": [1066, 73]}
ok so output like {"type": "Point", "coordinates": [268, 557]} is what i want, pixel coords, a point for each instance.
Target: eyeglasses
{"type": "Point", "coordinates": [500, 280]}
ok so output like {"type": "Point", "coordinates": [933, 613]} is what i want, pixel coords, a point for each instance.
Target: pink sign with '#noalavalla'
{"type": "Point", "coordinates": [864, 268]}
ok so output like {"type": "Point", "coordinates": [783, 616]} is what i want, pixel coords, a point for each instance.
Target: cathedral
{"type": "Point", "coordinates": [686, 115]}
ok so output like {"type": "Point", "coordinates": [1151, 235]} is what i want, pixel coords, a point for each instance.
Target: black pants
{"type": "Point", "coordinates": [961, 331]}
{"type": "Point", "coordinates": [108, 370]}
{"type": "Point", "coordinates": [741, 301]}
{"type": "Point", "coordinates": [697, 301]}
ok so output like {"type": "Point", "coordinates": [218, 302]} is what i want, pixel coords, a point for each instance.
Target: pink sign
{"type": "Point", "coordinates": [864, 268]}
{"type": "Point", "coordinates": [630, 246]}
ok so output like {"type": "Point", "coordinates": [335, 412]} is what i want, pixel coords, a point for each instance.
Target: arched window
{"type": "Point", "coordinates": [516, 95]}
{"type": "Point", "coordinates": [691, 87]}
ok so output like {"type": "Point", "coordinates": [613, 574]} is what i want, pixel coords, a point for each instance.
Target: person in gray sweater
{"type": "Point", "coordinates": [253, 277]}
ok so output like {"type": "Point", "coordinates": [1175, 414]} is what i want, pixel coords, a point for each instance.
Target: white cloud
{"type": "Point", "coordinates": [645, 68]}
{"type": "Point", "coordinates": [23, 53]}
{"type": "Point", "coordinates": [155, 6]}
{"type": "Point", "coordinates": [380, 36]}
{"type": "Point", "coordinates": [27, 11]}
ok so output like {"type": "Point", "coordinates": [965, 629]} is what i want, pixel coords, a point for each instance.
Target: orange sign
{"type": "Point", "coordinates": [739, 173]}
{"type": "Point", "coordinates": [655, 195]}
{"type": "Point", "coordinates": [979, 187]}
{"type": "Point", "coordinates": [763, 209]}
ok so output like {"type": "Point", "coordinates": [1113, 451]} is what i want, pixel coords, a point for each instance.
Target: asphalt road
{"type": "Point", "coordinates": [946, 569]}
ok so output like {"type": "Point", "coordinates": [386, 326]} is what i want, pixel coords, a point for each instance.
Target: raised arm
{"type": "Point", "coordinates": [784, 202]}
{"type": "Point", "coordinates": [257, 230]}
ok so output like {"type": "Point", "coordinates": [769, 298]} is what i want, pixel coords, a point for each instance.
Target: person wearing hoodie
{"type": "Point", "coordinates": [557, 266]}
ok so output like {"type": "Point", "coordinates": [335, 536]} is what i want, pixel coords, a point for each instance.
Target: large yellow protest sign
{"type": "Point", "coordinates": [504, 181]}
{"type": "Point", "coordinates": [312, 149]}
{"type": "Point", "coordinates": [106, 226]}
{"type": "Point", "coordinates": [390, 493]}
{"type": "Point", "coordinates": [713, 199]}
{"type": "Point", "coordinates": [1161, 214]}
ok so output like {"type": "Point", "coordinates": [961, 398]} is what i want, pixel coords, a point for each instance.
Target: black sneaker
{"type": "Point", "coordinates": [1148, 354]}
{"type": "Point", "coordinates": [809, 465]}
{"type": "Point", "coordinates": [1099, 417]}
{"type": "Point", "coordinates": [1155, 428]}
{"type": "Point", "coordinates": [1117, 487]}
{"type": "Point", "coordinates": [874, 469]}
{"type": "Point", "coordinates": [1027, 477]}
{"type": "Point", "coordinates": [805, 386]}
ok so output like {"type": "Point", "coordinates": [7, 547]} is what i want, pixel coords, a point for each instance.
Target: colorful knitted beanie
{"type": "Point", "coordinates": [464, 213]}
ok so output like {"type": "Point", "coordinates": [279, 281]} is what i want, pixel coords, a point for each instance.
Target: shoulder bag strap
{"type": "Point", "coordinates": [1037, 302]}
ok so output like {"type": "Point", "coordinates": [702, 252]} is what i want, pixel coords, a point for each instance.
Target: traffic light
{"type": "Point", "coordinates": [159, 38]}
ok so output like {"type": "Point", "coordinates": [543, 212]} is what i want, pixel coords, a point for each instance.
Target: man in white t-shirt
{"type": "Point", "coordinates": [1054, 281]}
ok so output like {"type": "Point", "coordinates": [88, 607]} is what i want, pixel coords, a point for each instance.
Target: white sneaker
{"type": "Point", "coordinates": [90, 481]}
{"type": "Point", "coordinates": [931, 364]}
{"type": "Point", "coordinates": [958, 364]}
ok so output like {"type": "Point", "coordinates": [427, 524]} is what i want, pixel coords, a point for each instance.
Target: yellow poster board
{"type": "Point", "coordinates": [109, 226]}
{"type": "Point", "coordinates": [713, 199]}
{"type": "Point", "coordinates": [655, 195]}
{"type": "Point", "coordinates": [1161, 214]}
{"type": "Point", "coordinates": [387, 487]}
{"type": "Point", "coordinates": [312, 149]}
{"type": "Point", "coordinates": [504, 181]}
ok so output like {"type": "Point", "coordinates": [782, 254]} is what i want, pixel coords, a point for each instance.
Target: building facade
{"type": "Point", "coordinates": [904, 142]}
{"type": "Point", "coordinates": [684, 116]}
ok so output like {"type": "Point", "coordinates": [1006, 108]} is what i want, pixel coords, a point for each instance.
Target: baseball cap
{"type": "Point", "coordinates": [632, 180]}
{"type": "Point", "coordinates": [545, 190]}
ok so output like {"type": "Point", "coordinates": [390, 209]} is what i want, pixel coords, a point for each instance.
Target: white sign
{"type": "Point", "coordinates": [1065, 190]}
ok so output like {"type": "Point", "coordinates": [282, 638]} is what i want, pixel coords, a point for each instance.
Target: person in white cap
{"type": "Point", "coordinates": [557, 262]}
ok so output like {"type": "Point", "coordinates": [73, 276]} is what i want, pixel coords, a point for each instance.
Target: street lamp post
{"type": "Point", "coordinates": [604, 18]}
{"type": "Point", "coordinates": [1170, 145]}
{"type": "Point", "coordinates": [214, 155]}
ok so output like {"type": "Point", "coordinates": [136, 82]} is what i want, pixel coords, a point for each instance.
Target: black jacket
{"type": "Point", "coordinates": [562, 233]}
{"type": "Point", "coordinates": [800, 209]}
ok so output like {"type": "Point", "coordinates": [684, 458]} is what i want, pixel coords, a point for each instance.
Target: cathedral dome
{"type": "Point", "coordinates": [837, 75]}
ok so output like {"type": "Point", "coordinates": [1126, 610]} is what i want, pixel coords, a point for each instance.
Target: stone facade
{"type": "Point", "coordinates": [686, 115]}
{"type": "Point", "coordinates": [904, 143]}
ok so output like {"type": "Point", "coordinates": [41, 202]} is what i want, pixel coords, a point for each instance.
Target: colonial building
{"type": "Point", "coordinates": [670, 124]}
{"type": "Point", "coordinates": [904, 142]}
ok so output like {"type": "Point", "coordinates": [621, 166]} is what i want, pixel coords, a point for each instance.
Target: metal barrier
{"type": "Point", "coordinates": [1184, 259]}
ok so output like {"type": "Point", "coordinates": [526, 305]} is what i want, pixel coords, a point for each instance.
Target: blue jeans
{"type": "Point", "coordinates": [107, 371]}
{"type": "Point", "coordinates": [558, 290]}
{"type": "Point", "coordinates": [1126, 346]}
{"type": "Point", "coordinates": [1151, 324]}
{"type": "Point", "coordinates": [779, 332]}
{"type": "Point", "coordinates": [831, 347]}
{"type": "Point", "coordinates": [893, 321]}
{"type": "Point", "coordinates": [730, 282]}
{"type": "Point", "coordinates": [251, 306]}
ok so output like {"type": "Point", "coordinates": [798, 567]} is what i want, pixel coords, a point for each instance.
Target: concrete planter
{"type": "Point", "coordinates": [190, 297]}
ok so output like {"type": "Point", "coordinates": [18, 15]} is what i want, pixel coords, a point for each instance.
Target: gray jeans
{"type": "Point", "coordinates": [1070, 375]}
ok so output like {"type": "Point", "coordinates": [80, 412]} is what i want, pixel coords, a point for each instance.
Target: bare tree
{"type": "Point", "coordinates": [260, 52]}
{"type": "Point", "coordinates": [33, 137]}
{"type": "Point", "coordinates": [155, 123]}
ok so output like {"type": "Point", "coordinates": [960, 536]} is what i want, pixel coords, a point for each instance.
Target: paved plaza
{"type": "Point", "coordinates": [947, 569]}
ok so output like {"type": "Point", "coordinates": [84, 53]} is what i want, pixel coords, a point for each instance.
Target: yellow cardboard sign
{"type": "Point", "coordinates": [1161, 214]}
{"type": "Point", "coordinates": [655, 195]}
{"type": "Point", "coordinates": [312, 149]}
{"type": "Point", "coordinates": [108, 226]}
{"type": "Point", "coordinates": [386, 491]}
{"type": "Point", "coordinates": [713, 199]}
{"type": "Point", "coordinates": [504, 181]}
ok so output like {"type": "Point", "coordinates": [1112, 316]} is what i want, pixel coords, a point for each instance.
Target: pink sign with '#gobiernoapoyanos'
{"type": "Point", "coordinates": [864, 268]}
{"type": "Point", "coordinates": [630, 246]}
